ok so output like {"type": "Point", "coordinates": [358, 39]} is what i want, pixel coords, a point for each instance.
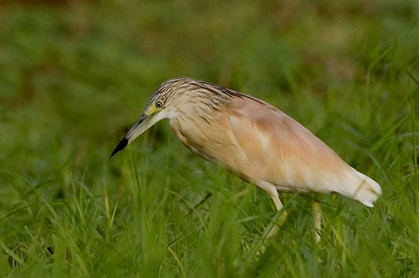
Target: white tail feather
{"type": "Point", "coordinates": [361, 188]}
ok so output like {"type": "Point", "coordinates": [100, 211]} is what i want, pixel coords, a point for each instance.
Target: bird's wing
{"type": "Point", "coordinates": [279, 149]}
{"type": "Point", "coordinates": [284, 153]}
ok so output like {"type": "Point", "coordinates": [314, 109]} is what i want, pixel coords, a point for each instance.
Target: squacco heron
{"type": "Point", "coordinates": [253, 140]}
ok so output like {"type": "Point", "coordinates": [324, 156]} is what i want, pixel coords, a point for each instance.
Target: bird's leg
{"type": "Point", "coordinates": [272, 190]}
{"type": "Point", "coordinates": [282, 218]}
{"type": "Point", "coordinates": [316, 207]}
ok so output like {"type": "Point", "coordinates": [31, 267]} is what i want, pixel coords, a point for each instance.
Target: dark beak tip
{"type": "Point", "coordinates": [121, 145]}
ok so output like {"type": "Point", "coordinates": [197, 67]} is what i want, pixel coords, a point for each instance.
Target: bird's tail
{"type": "Point", "coordinates": [361, 188]}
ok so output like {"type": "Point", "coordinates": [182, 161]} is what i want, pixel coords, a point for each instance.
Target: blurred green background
{"type": "Point", "coordinates": [74, 75]}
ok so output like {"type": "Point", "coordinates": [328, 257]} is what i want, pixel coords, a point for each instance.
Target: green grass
{"type": "Point", "coordinates": [75, 76]}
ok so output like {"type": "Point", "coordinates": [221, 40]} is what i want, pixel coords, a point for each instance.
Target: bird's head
{"type": "Point", "coordinates": [160, 106]}
{"type": "Point", "coordinates": [181, 95]}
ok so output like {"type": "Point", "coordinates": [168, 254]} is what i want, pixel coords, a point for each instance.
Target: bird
{"type": "Point", "coordinates": [253, 140]}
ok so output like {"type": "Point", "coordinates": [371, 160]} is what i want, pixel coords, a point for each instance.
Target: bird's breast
{"type": "Point", "coordinates": [212, 140]}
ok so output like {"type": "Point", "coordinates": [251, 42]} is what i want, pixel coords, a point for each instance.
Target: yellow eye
{"type": "Point", "coordinates": [159, 104]}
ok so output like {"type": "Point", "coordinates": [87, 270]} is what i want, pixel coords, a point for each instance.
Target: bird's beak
{"type": "Point", "coordinates": [137, 129]}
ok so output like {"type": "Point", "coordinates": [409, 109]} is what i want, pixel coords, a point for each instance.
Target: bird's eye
{"type": "Point", "coordinates": [159, 104]}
